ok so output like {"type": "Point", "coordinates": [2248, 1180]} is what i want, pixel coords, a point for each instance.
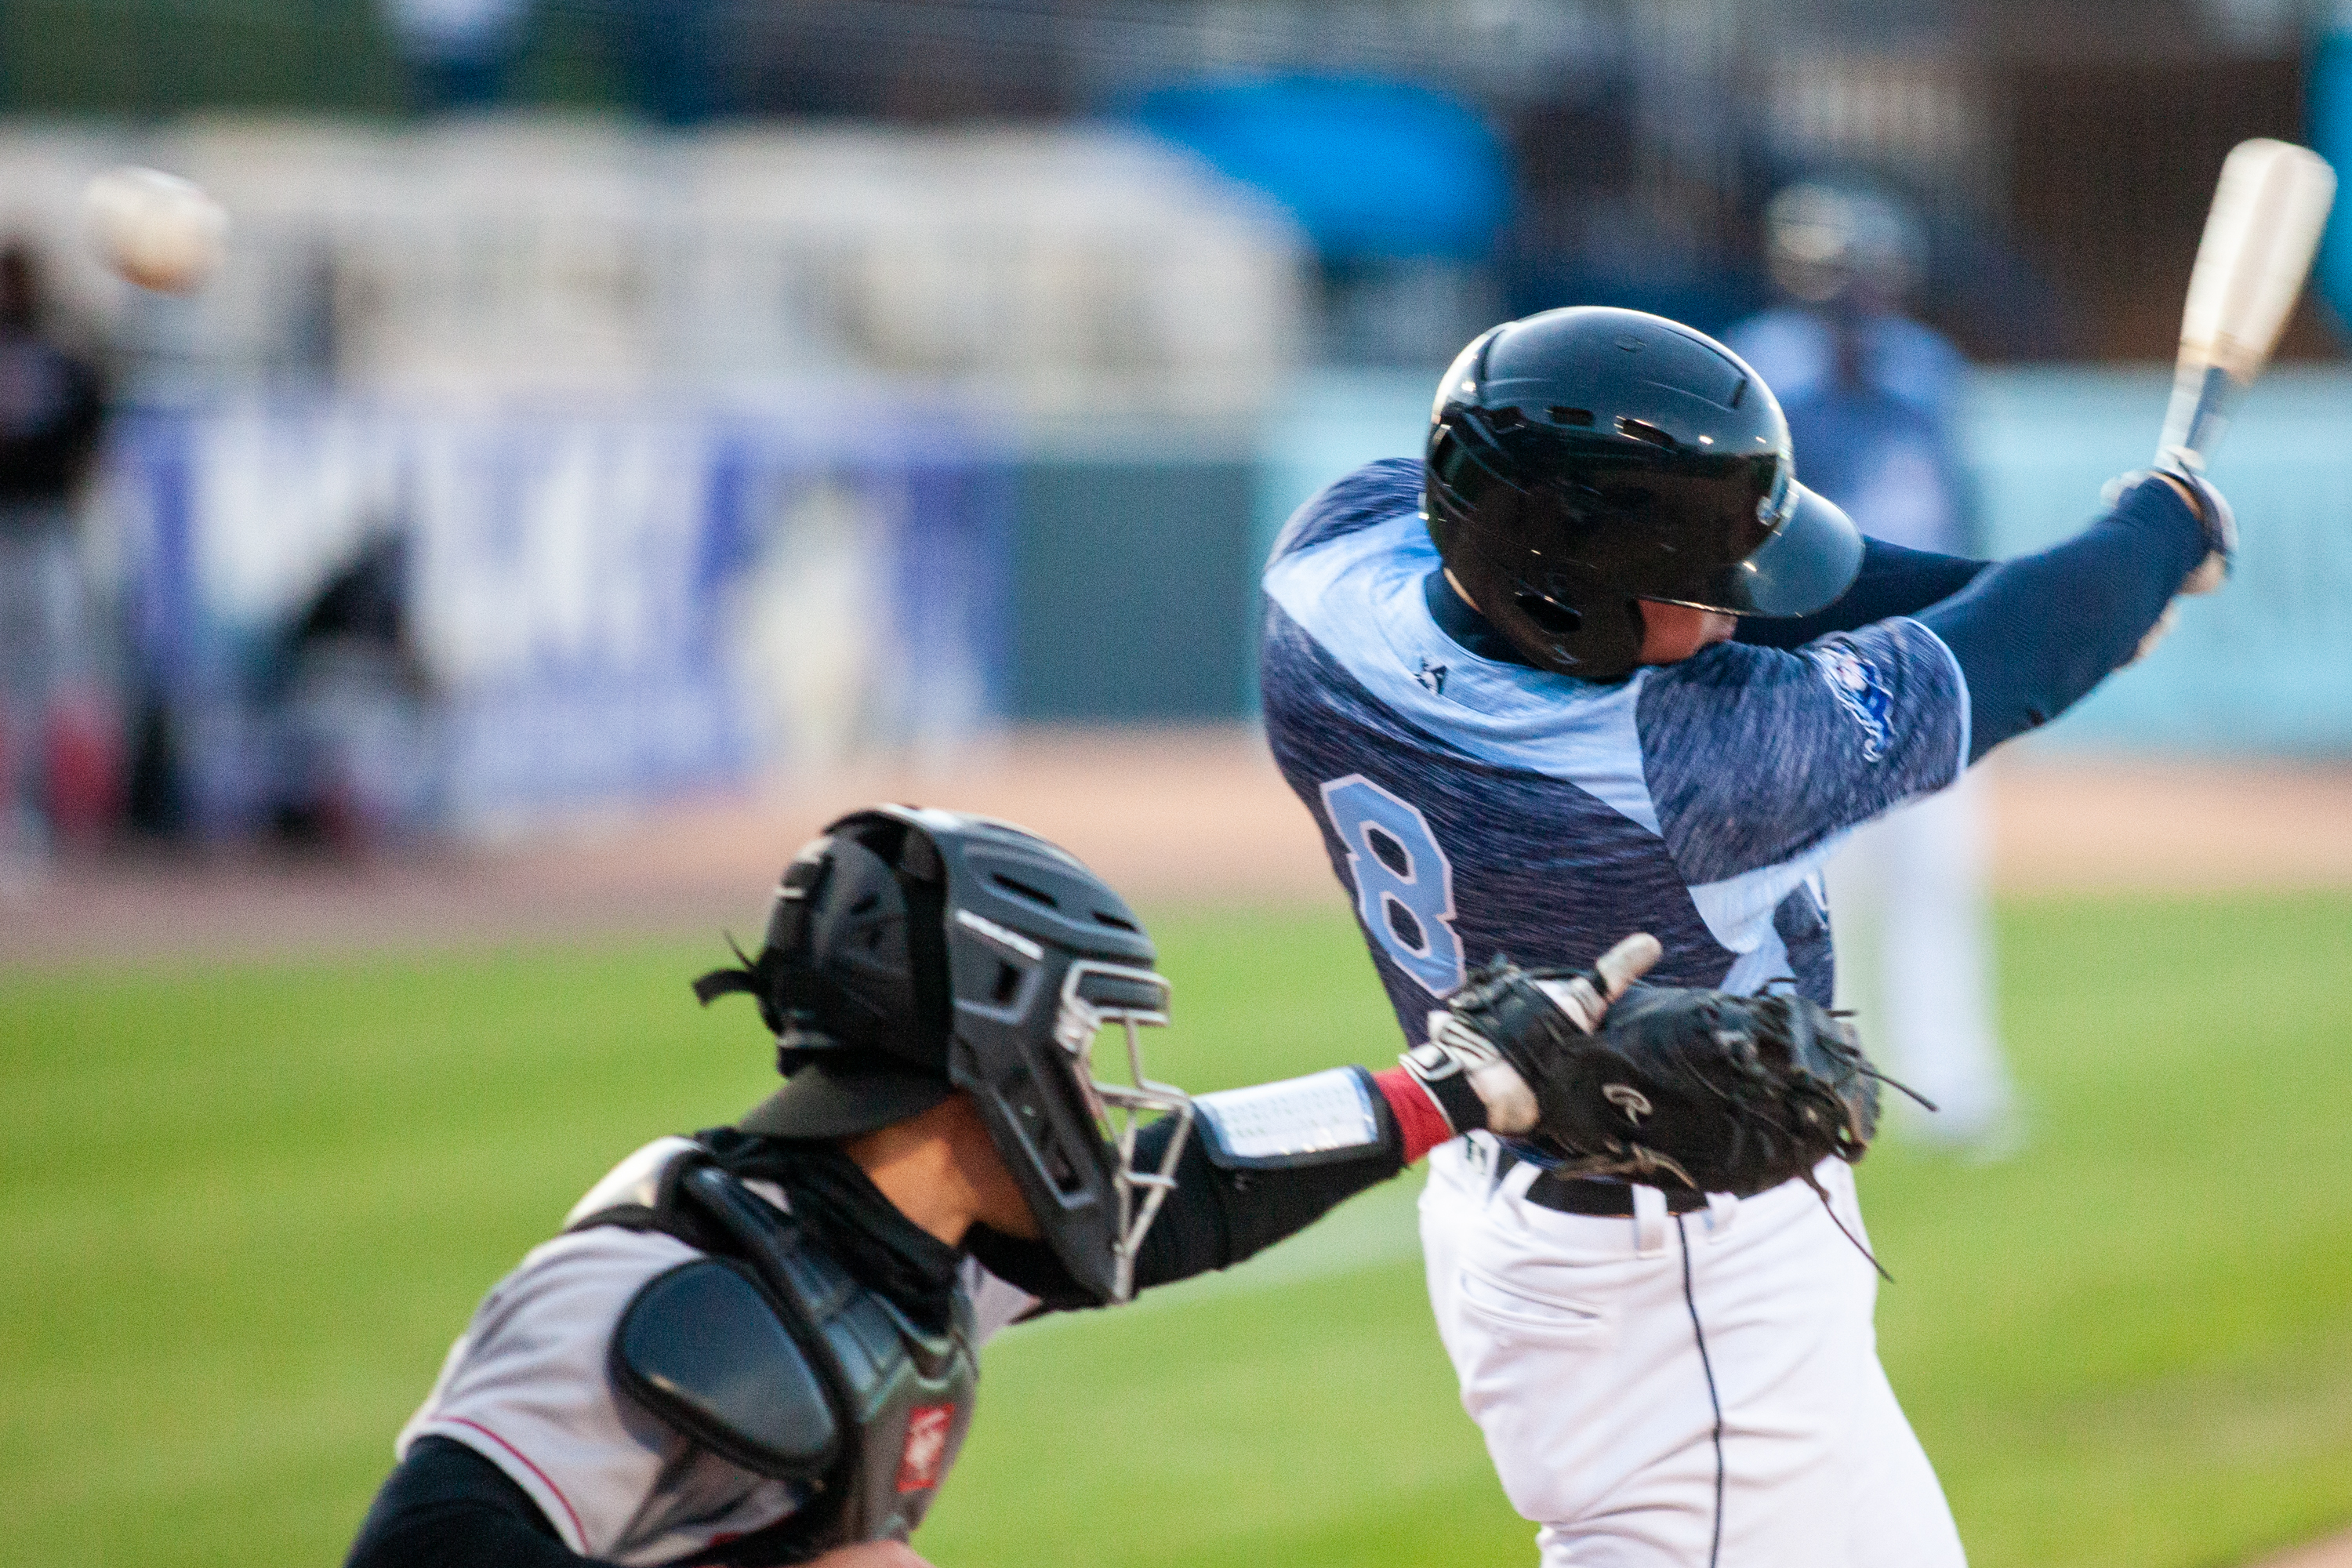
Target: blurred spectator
{"type": "Point", "coordinates": [1869, 399]}
{"type": "Point", "coordinates": [351, 709]}
{"type": "Point", "coordinates": [56, 747]}
{"type": "Point", "coordinates": [459, 53]}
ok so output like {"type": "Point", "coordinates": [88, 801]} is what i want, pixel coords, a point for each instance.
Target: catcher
{"type": "Point", "coordinates": [758, 1345]}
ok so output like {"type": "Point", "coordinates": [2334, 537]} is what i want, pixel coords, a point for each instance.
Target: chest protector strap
{"type": "Point", "coordinates": [768, 1352]}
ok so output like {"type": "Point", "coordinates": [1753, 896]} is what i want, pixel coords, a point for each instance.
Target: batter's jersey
{"type": "Point", "coordinates": [526, 1386]}
{"type": "Point", "coordinates": [1475, 808]}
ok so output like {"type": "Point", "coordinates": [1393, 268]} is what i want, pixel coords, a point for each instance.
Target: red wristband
{"type": "Point", "coordinates": [1422, 1126]}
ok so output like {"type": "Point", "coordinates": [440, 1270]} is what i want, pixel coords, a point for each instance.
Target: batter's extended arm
{"type": "Point", "coordinates": [2035, 634]}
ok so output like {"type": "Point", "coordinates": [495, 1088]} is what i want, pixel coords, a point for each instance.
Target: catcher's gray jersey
{"type": "Point", "coordinates": [525, 1386]}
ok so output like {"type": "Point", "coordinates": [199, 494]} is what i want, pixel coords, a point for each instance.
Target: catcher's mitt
{"type": "Point", "coordinates": [1700, 1088]}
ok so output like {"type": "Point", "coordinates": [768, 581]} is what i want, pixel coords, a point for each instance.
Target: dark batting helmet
{"type": "Point", "coordinates": [911, 953]}
{"type": "Point", "coordinates": [1582, 459]}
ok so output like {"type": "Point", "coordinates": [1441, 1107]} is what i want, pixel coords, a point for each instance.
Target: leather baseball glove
{"type": "Point", "coordinates": [1661, 1084]}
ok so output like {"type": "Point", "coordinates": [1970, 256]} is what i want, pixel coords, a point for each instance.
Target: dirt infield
{"type": "Point", "coordinates": [1167, 815]}
{"type": "Point", "coordinates": [2336, 1554]}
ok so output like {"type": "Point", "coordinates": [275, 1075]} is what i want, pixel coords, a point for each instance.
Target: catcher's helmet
{"type": "Point", "coordinates": [912, 952]}
{"type": "Point", "coordinates": [1582, 460]}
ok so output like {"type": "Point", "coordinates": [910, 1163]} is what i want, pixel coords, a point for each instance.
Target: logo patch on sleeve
{"type": "Point", "coordinates": [927, 1447]}
{"type": "Point", "coordinates": [1861, 691]}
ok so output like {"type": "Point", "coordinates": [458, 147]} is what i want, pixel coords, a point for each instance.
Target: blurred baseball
{"type": "Point", "coordinates": [156, 229]}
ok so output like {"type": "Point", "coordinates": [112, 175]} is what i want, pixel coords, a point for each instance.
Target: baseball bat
{"type": "Point", "coordinates": [2268, 210]}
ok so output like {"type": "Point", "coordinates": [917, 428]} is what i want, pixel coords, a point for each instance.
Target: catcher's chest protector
{"type": "Point", "coordinates": [851, 1401]}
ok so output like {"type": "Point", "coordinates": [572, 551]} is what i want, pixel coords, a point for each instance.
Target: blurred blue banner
{"type": "Point", "coordinates": [2329, 116]}
{"type": "Point", "coordinates": [599, 603]}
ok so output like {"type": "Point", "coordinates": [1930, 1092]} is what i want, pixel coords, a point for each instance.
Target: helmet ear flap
{"type": "Point", "coordinates": [1549, 614]}
{"type": "Point", "coordinates": [1598, 637]}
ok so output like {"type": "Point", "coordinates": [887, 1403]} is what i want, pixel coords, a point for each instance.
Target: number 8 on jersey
{"type": "Point", "coordinates": [1404, 885]}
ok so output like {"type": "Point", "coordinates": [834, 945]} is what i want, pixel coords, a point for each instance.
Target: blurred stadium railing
{"type": "Point", "coordinates": [1048, 268]}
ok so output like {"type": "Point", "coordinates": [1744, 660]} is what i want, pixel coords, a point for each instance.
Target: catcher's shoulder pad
{"type": "Point", "coordinates": [701, 1346]}
{"type": "Point", "coordinates": [639, 1184]}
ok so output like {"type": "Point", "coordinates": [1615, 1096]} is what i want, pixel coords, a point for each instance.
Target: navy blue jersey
{"type": "Point", "coordinates": [1474, 807]}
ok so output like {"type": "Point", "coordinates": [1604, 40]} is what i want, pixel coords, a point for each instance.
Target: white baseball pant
{"type": "Point", "coordinates": [1574, 1339]}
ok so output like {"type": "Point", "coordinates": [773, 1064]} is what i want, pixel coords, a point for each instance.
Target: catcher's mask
{"type": "Point", "coordinates": [913, 953]}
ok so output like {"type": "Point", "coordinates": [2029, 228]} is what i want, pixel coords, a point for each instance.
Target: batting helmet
{"type": "Point", "coordinates": [1583, 459]}
{"type": "Point", "coordinates": [911, 953]}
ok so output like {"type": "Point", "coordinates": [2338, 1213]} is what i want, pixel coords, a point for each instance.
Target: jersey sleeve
{"type": "Point", "coordinates": [526, 1388]}
{"type": "Point", "coordinates": [1755, 756]}
{"type": "Point", "coordinates": [2036, 632]}
{"type": "Point", "coordinates": [997, 1303]}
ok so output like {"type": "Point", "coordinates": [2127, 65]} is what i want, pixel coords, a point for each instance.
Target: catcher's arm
{"type": "Point", "coordinates": [448, 1506]}
{"type": "Point", "coordinates": [1272, 1158]}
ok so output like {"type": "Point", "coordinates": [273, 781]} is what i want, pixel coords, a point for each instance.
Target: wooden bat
{"type": "Point", "coordinates": [2268, 209]}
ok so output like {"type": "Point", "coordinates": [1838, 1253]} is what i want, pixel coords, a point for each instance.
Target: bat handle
{"type": "Point", "coordinates": [2202, 398]}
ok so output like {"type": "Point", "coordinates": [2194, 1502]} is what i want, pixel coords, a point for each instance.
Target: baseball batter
{"type": "Point", "coordinates": [1505, 681]}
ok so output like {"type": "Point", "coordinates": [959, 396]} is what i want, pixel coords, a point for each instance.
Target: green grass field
{"type": "Point", "coordinates": [252, 1205]}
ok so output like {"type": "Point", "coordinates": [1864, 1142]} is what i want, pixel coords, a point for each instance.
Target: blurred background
{"type": "Point", "coordinates": [625, 433]}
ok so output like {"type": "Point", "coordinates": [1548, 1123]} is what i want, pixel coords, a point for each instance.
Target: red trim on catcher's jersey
{"type": "Point", "coordinates": [581, 1535]}
{"type": "Point", "coordinates": [1422, 1125]}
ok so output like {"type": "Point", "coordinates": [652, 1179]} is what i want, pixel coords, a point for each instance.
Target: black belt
{"type": "Point", "coordinates": [1598, 1197]}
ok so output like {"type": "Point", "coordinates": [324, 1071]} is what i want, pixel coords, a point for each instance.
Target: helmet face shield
{"type": "Point", "coordinates": [1104, 1009]}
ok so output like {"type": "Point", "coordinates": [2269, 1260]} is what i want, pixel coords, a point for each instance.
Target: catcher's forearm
{"type": "Point", "coordinates": [1221, 1213]}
